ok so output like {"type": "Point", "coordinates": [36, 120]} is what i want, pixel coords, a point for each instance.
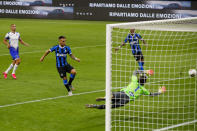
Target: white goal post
{"type": "Point", "coordinates": [171, 52]}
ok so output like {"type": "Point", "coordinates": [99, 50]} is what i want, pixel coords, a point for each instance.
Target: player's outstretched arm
{"type": "Point", "coordinates": [148, 72]}
{"type": "Point", "coordinates": [6, 43]}
{"type": "Point", "coordinates": [160, 91]}
{"type": "Point", "coordinates": [75, 58]}
{"type": "Point", "coordinates": [144, 42]}
{"type": "Point", "coordinates": [45, 54]}
{"type": "Point", "coordinates": [117, 48]}
{"type": "Point", "coordinates": [23, 43]}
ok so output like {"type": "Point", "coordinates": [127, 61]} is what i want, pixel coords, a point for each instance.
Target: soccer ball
{"type": "Point", "coordinates": [192, 72]}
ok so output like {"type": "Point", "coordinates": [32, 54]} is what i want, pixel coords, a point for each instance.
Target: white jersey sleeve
{"type": "Point", "coordinates": [7, 36]}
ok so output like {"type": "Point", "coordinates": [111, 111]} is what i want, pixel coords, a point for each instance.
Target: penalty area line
{"type": "Point", "coordinates": [174, 126]}
{"type": "Point", "coordinates": [50, 98]}
{"type": "Point", "coordinates": [81, 47]}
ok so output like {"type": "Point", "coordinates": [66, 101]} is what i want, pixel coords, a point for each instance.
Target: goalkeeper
{"type": "Point", "coordinates": [133, 39]}
{"type": "Point", "coordinates": [133, 91]}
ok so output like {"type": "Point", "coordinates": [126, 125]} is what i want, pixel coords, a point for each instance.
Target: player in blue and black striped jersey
{"type": "Point", "coordinates": [133, 39]}
{"type": "Point", "coordinates": [63, 66]}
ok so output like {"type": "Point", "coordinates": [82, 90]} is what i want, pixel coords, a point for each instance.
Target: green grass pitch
{"type": "Point", "coordinates": [37, 81]}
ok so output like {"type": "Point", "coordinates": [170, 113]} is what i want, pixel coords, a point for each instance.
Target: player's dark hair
{"type": "Point", "coordinates": [61, 37]}
{"type": "Point", "coordinates": [142, 79]}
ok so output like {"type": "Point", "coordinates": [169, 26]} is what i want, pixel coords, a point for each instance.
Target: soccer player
{"type": "Point", "coordinates": [133, 39]}
{"type": "Point", "coordinates": [13, 37]}
{"type": "Point", "coordinates": [63, 67]}
{"type": "Point", "coordinates": [132, 92]}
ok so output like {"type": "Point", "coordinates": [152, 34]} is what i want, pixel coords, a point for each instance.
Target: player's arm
{"type": "Point", "coordinates": [160, 91]}
{"type": "Point", "coordinates": [140, 38]}
{"type": "Point", "coordinates": [155, 94]}
{"type": "Point", "coordinates": [23, 43]}
{"type": "Point", "coordinates": [144, 42]}
{"type": "Point", "coordinates": [45, 54]}
{"type": "Point", "coordinates": [148, 72]}
{"type": "Point", "coordinates": [123, 44]}
{"type": "Point", "coordinates": [117, 48]}
{"type": "Point", "coordinates": [5, 41]}
{"type": "Point", "coordinates": [74, 58]}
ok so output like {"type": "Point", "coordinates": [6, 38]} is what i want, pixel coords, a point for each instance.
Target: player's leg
{"type": "Point", "coordinates": [118, 99]}
{"type": "Point", "coordinates": [72, 76]}
{"type": "Point", "coordinates": [100, 106]}
{"type": "Point", "coordinates": [103, 98]}
{"type": "Point", "coordinates": [8, 69]}
{"type": "Point", "coordinates": [17, 62]}
{"type": "Point", "coordinates": [100, 99]}
{"type": "Point", "coordinates": [114, 105]}
{"type": "Point", "coordinates": [137, 58]}
{"type": "Point", "coordinates": [73, 73]}
{"type": "Point", "coordinates": [140, 59]}
{"type": "Point", "coordinates": [62, 73]}
{"type": "Point", "coordinates": [67, 86]}
{"type": "Point", "coordinates": [13, 55]}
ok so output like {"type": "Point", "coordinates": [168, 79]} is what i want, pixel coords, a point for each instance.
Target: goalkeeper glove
{"type": "Point", "coordinates": [162, 89]}
{"type": "Point", "coordinates": [149, 72]}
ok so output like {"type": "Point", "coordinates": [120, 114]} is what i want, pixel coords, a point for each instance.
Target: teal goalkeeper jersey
{"type": "Point", "coordinates": [134, 89]}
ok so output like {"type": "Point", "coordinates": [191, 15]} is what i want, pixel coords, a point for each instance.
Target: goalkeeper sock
{"type": "Point", "coordinates": [66, 85]}
{"type": "Point", "coordinates": [141, 65]}
{"type": "Point", "coordinates": [72, 77]}
{"type": "Point", "coordinates": [100, 107]}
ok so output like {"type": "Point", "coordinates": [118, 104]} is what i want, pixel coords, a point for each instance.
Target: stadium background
{"type": "Point", "coordinates": [105, 10]}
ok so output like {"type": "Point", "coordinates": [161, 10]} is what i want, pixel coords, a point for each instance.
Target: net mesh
{"type": "Point", "coordinates": [171, 52]}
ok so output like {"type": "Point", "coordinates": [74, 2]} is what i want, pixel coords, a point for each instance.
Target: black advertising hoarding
{"type": "Point", "coordinates": [35, 9]}
{"type": "Point", "coordinates": [111, 10]}
{"type": "Point", "coordinates": [135, 10]}
{"type": "Point", "coordinates": [26, 2]}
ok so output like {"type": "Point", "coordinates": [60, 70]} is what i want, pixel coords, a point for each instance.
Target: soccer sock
{"type": "Point", "coordinates": [72, 77]}
{"type": "Point", "coordinates": [100, 107]}
{"type": "Point", "coordinates": [9, 68]}
{"type": "Point", "coordinates": [66, 85]}
{"type": "Point", "coordinates": [14, 70]}
{"type": "Point", "coordinates": [141, 65]}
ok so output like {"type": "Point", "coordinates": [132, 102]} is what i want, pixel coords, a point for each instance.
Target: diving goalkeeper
{"type": "Point", "coordinates": [133, 91]}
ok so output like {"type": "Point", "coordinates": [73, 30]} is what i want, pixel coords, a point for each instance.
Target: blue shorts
{"type": "Point", "coordinates": [14, 53]}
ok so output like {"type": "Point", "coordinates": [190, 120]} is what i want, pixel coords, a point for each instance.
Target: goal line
{"type": "Point", "coordinates": [174, 126]}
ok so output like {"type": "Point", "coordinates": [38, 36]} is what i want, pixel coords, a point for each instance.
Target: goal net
{"type": "Point", "coordinates": [171, 51]}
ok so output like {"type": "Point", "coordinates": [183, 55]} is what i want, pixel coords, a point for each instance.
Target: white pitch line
{"type": "Point", "coordinates": [174, 126]}
{"type": "Point", "coordinates": [44, 50]}
{"type": "Point", "coordinates": [50, 98]}
{"type": "Point", "coordinates": [53, 98]}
